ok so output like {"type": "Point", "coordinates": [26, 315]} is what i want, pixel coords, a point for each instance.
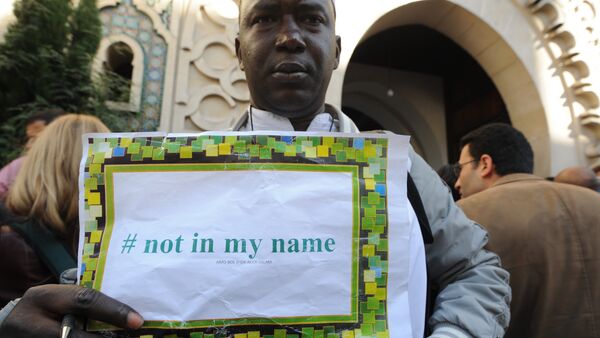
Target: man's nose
{"type": "Point", "coordinates": [290, 36]}
{"type": "Point", "coordinates": [457, 185]}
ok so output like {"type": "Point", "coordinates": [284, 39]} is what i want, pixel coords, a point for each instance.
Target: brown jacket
{"type": "Point", "coordinates": [548, 237]}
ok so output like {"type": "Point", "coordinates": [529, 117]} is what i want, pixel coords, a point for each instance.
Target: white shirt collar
{"type": "Point", "coordinates": [263, 120]}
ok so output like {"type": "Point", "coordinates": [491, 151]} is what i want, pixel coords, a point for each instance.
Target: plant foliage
{"type": "Point", "coordinates": [46, 62]}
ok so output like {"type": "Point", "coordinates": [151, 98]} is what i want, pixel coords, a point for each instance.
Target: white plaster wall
{"type": "Point", "coordinates": [416, 108]}
{"type": "Point", "coordinates": [6, 16]}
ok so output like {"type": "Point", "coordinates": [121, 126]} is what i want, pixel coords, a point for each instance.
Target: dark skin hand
{"type": "Point", "coordinates": [40, 312]}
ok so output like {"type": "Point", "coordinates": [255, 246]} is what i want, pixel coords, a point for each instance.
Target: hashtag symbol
{"type": "Point", "coordinates": [129, 243]}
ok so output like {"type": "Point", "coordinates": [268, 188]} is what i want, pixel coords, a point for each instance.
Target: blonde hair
{"type": "Point", "coordinates": [46, 188]}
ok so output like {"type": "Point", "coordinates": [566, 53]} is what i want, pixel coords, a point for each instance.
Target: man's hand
{"type": "Point", "coordinates": [40, 312]}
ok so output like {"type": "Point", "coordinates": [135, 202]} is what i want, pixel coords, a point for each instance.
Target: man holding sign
{"type": "Point", "coordinates": [288, 50]}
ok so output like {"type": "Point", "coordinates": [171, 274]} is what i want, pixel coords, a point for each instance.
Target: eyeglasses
{"type": "Point", "coordinates": [457, 167]}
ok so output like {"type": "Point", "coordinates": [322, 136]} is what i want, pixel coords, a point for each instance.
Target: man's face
{"type": "Point", "coordinates": [288, 50]}
{"type": "Point", "coordinates": [469, 180]}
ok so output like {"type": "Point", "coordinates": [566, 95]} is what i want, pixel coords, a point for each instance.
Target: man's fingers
{"type": "Point", "coordinates": [80, 301]}
{"type": "Point", "coordinates": [96, 305]}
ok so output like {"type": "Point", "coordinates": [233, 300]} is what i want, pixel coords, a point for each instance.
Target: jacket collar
{"type": "Point", "coordinates": [510, 178]}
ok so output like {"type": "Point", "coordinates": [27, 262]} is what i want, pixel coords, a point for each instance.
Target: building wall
{"type": "Point", "coordinates": [6, 16]}
{"type": "Point", "coordinates": [543, 56]}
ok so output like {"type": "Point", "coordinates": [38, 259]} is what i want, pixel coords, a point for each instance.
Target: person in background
{"type": "Point", "coordinates": [546, 234]}
{"type": "Point", "coordinates": [33, 127]}
{"type": "Point", "coordinates": [581, 176]}
{"type": "Point", "coordinates": [45, 197]}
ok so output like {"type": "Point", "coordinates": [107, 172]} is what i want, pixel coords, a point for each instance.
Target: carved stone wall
{"type": "Point", "coordinates": [211, 89]}
{"type": "Point", "coordinates": [144, 26]}
{"type": "Point", "coordinates": [571, 29]}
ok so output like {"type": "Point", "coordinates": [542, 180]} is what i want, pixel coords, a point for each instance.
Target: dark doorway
{"type": "Point", "coordinates": [362, 120]}
{"type": "Point", "coordinates": [471, 99]}
{"type": "Point", "coordinates": [118, 70]}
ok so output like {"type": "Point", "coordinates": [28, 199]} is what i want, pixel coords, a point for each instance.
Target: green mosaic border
{"type": "Point", "coordinates": [368, 155]}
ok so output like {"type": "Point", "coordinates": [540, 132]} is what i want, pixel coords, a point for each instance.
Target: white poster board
{"type": "Point", "coordinates": [255, 233]}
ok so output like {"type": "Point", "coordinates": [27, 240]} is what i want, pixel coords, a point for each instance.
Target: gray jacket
{"type": "Point", "coordinates": [474, 294]}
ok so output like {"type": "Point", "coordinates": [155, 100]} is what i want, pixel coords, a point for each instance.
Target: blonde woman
{"type": "Point", "coordinates": [45, 197]}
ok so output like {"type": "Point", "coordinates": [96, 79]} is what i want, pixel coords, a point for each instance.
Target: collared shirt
{"type": "Point", "coordinates": [263, 120]}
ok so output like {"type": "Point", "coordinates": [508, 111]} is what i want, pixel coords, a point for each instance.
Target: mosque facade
{"type": "Point", "coordinates": [433, 69]}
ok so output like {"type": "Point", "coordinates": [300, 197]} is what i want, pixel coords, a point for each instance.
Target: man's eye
{"type": "Point", "coordinates": [263, 19]}
{"type": "Point", "coordinates": [313, 19]}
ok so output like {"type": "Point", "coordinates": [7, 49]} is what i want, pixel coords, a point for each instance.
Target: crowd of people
{"type": "Point", "coordinates": [546, 234]}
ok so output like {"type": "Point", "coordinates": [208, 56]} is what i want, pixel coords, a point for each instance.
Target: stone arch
{"type": "Point", "coordinates": [476, 27]}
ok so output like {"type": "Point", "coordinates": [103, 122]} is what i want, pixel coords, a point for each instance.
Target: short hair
{"type": "Point", "coordinates": [46, 188]}
{"type": "Point", "coordinates": [508, 148]}
{"type": "Point", "coordinates": [47, 115]}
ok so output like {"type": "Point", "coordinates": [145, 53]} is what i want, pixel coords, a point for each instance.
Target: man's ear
{"type": "Point", "coordinates": [238, 52]}
{"type": "Point", "coordinates": [487, 166]}
{"type": "Point", "coordinates": [338, 50]}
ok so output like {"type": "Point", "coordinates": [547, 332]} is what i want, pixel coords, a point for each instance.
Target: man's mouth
{"type": "Point", "coordinates": [290, 71]}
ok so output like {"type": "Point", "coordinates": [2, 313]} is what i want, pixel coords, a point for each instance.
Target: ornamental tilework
{"type": "Point", "coordinates": [127, 20]}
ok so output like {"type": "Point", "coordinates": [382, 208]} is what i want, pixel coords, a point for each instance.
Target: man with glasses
{"type": "Point", "coordinates": [546, 234]}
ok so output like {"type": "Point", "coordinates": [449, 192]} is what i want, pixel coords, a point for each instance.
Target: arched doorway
{"type": "Point", "coordinates": [506, 80]}
{"type": "Point", "coordinates": [437, 91]}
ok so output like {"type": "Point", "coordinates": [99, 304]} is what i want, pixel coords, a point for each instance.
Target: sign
{"type": "Point", "coordinates": [249, 234]}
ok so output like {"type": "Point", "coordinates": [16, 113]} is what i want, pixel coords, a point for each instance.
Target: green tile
{"type": "Point", "coordinates": [372, 303]}
{"type": "Point", "coordinates": [370, 212]}
{"type": "Point", "coordinates": [308, 332]}
{"type": "Point", "coordinates": [369, 317]}
{"type": "Point", "coordinates": [158, 154]}
{"type": "Point", "coordinates": [265, 154]}
{"type": "Point", "coordinates": [373, 198]}
{"type": "Point", "coordinates": [366, 329]}
{"type": "Point", "coordinates": [262, 140]}
{"type": "Point", "coordinates": [383, 245]}
{"type": "Point", "coordinates": [133, 148]}
{"type": "Point", "coordinates": [340, 156]}
{"type": "Point", "coordinates": [173, 147]}
{"type": "Point", "coordinates": [254, 150]}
